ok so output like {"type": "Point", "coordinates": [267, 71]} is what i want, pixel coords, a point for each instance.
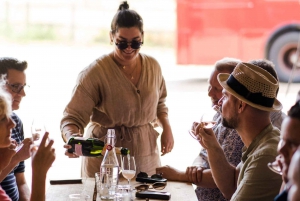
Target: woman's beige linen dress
{"type": "Point", "coordinates": [104, 98]}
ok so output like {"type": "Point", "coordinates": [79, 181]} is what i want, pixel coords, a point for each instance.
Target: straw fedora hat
{"type": "Point", "coordinates": [253, 85]}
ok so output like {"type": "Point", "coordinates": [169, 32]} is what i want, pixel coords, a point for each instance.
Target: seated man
{"type": "Point", "coordinates": [289, 142]}
{"type": "Point", "coordinates": [249, 94]}
{"type": "Point", "coordinates": [294, 177]}
{"type": "Point", "coordinates": [228, 138]}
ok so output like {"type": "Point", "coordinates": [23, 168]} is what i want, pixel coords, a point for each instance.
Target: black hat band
{"type": "Point", "coordinates": [256, 98]}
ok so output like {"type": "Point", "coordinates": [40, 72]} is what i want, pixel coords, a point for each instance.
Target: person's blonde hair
{"type": "Point", "coordinates": [5, 100]}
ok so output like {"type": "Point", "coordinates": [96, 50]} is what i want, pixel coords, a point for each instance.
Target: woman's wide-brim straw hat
{"type": "Point", "coordinates": [253, 85]}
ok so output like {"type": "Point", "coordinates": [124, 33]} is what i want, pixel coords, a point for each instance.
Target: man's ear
{"type": "Point", "coordinates": [242, 105]}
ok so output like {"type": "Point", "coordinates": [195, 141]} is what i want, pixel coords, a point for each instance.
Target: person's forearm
{"type": "Point", "coordinates": [222, 172]}
{"type": "Point", "coordinates": [68, 130]}
{"type": "Point", "coordinates": [38, 187]}
{"type": "Point", "coordinates": [207, 180]}
{"type": "Point", "coordinates": [182, 177]}
{"type": "Point", "coordinates": [24, 192]}
{"type": "Point", "coordinates": [283, 187]}
{"type": "Point", "coordinates": [163, 121]}
{"type": "Point", "coordinates": [13, 163]}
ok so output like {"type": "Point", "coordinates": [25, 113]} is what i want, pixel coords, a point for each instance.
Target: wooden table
{"type": "Point", "coordinates": [60, 192]}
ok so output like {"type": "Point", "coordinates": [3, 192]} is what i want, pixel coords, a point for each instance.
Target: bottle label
{"type": "Point", "coordinates": [78, 149]}
{"type": "Point", "coordinates": [109, 147]}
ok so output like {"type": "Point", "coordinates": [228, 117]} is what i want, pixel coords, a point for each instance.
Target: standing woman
{"type": "Point", "coordinates": [124, 90]}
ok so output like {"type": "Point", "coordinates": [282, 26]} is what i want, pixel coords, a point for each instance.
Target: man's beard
{"type": "Point", "coordinates": [230, 123]}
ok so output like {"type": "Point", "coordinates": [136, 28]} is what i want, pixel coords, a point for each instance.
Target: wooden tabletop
{"type": "Point", "coordinates": [60, 192]}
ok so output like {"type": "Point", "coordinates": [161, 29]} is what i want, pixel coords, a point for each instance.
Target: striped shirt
{"type": "Point", "coordinates": [9, 184]}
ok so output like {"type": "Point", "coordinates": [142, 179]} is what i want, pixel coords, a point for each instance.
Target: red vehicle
{"type": "Point", "coordinates": [208, 30]}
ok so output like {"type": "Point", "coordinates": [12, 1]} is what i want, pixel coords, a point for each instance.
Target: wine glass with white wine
{"type": "Point", "coordinates": [128, 167]}
{"type": "Point", "coordinates": [207, 120]}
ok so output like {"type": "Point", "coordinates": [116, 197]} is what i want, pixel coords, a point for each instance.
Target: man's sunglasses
{"type": "Point", "coordinates": [156, 186]}
{"type": "Point", "coordinates": [17, 88]}
{"type": "Point", "coordinates": [133, 44]}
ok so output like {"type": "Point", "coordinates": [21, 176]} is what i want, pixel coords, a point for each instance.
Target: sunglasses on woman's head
{"type": "Point", "coordinates": [156, 186]}
{"type": "Point", "coordinates": [133, 44]}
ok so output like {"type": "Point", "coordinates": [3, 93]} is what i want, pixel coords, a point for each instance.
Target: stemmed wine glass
{"type": "Point", "coordinates": [207, 120]}
{"type": "Point", "coordinates": [275, 167]}
{"type": "Point", "coordinates": [38, 130]}
{"type": "Point", "coordinates": [128, 167]}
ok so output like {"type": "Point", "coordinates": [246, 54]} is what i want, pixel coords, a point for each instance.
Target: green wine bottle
{"type": "Point", "coordinates": [91, 147]}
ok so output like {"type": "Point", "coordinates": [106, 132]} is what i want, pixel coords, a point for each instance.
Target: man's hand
{"type": "Point", "coordinates": [194, 174]}
{"type": "Point", "coordinates": [206, 137]}
{"type": "Point", "coordinates": [24, 152]}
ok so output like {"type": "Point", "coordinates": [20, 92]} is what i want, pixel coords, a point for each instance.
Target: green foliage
{"type": "Point", "coordinates": [52, 33]}
{"type": "Point", "coordinates": [28, 33]}
{"type": "Point", "coordinates": [102, 37]}
{"type": "Point", "coordinates": [39, 33]}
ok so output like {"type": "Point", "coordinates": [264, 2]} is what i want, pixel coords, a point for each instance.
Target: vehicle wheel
{"type": "Point", "coordinates": [283, 54]}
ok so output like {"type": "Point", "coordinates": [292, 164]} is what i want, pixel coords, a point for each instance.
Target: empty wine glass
{"type": "Point", "coordinates": [275, 167]}
{"type": "Point", "coordinates": [207, 120]}
{"type": "Point", "coordinates": [128, 167]}
{"type": "Point", "coordinates": [38, 130]}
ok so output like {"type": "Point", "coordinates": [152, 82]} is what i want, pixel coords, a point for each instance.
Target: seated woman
{"type": "Point", "coordinates": [42, 159]}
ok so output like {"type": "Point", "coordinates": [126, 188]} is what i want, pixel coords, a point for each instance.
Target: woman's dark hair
{"type": "Point", "coordinates": [294, 112]}
{"type": "Point", "coordinates": [126, 18]}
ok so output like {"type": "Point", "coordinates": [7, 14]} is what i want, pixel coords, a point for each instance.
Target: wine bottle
{"type": "Point", "coordinates": [91, 147]}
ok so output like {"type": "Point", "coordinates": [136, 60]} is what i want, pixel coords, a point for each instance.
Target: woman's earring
{"type": "Point", "coordinates": [111, 42]}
